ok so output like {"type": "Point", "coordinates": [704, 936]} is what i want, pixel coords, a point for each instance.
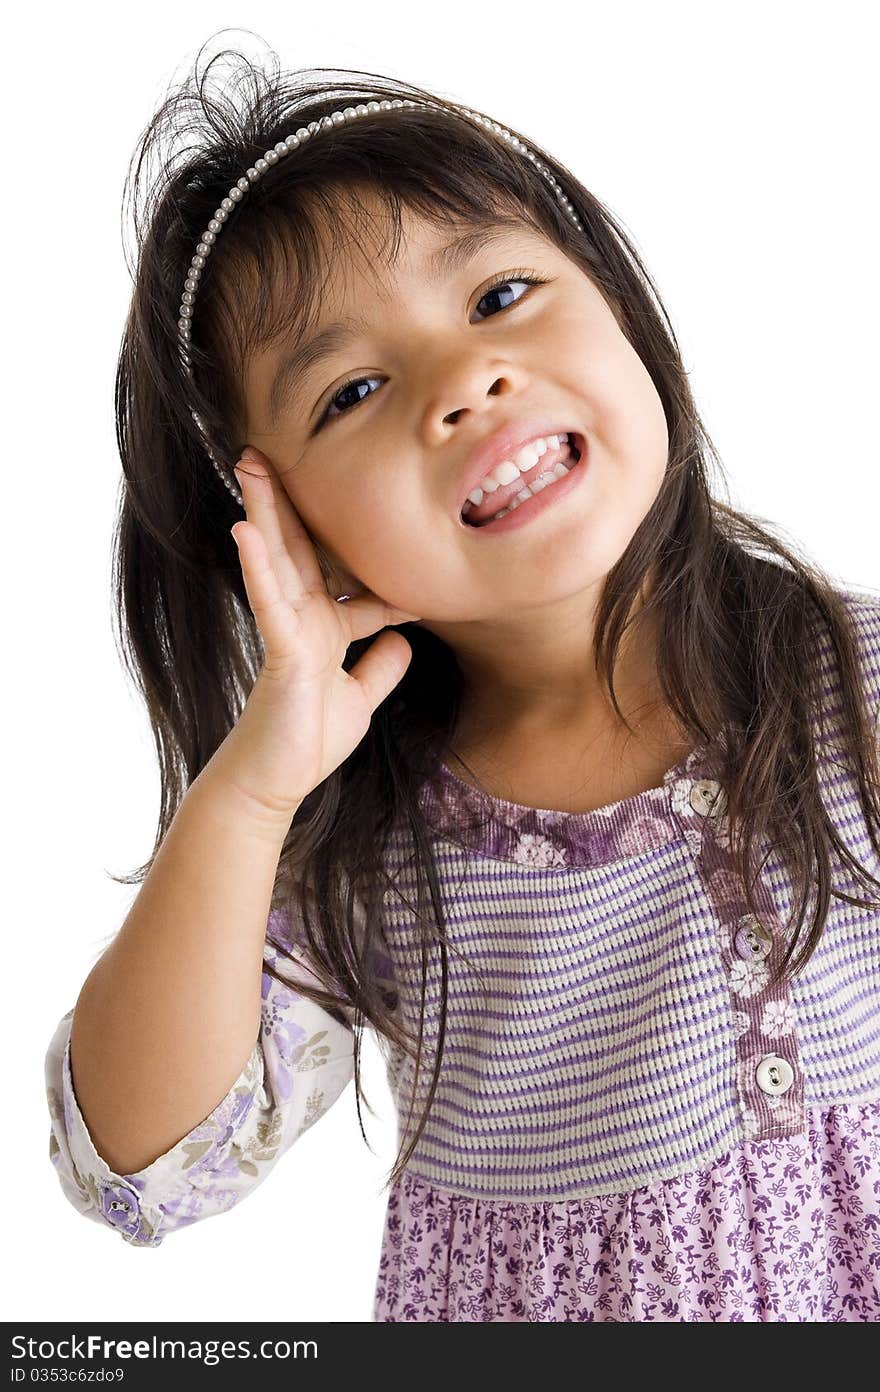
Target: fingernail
{"type": "Point", "coordinates": [250, 454]}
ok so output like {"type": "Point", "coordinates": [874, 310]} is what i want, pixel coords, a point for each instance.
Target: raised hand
{"type": "Point", "coordinates": [305, 713]}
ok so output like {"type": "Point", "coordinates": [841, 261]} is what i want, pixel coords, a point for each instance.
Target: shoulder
{"type": "Point", "coordinates": [863, 607]}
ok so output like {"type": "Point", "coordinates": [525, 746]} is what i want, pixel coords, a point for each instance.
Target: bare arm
{"type": "Point", "coordinates": [168, 1017]}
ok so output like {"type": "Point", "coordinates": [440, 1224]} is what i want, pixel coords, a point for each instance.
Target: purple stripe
{"type": "Point", "coordinates": [545, 1167]}
{"type": "Point", "coordinates": [829, 1046]}
{"type": "Point", "coordinates": [831, 1043]}
{"type": "Point", "coordinates": [485, 941]}
{"type": "Point", "coordinates": [819, 1016]}
{"type": "Point", "coordinates": [582, 997]}
{"type": "Point", "coordinates": [483, 944]}
{"type": "Point", "coordinates": [481, 1101]}
{"type": "Point", "coordinates": [534, 1041]}
{"type": "Point", "coordinates": [591, 982]}
{"type": "Point", "coordinates": [831, 961]}
{"type": "Point", "coordinates": [470, 997]}
{"type": "Point", "coordinates": [667, 1057]}
{"type": "Point", "coordinates": [702, 945]}
{"type": "Point", "coordinates": [837, 968]}
{"type": "Point", "coordinates": [627, 898]}
{"type": "Point", "coordinates": [822, 1098]}
{"type": "Point", "coordinates": [824, 1071]}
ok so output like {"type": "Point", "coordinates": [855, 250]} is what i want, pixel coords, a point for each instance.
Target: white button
{"type": "Point", "coordinates": [749, 943]}
{"type": "Point", "coordinates": [708, 797]}
{"type": "Point", "coordinates": [774, 1074]}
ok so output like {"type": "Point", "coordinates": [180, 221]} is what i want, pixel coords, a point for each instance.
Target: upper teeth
{"type": "Point", "coordinates": [510, 469]}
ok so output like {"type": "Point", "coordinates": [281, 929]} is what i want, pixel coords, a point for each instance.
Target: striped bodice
{"type": "Point", "coordinates": [611, 1018]}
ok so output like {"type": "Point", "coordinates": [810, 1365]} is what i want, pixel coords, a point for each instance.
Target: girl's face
{"type": "Point", "coordinates": [372, 442]}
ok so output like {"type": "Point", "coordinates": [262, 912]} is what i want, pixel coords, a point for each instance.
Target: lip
{"type": "Point", "coordinates": [528, 512]}
{"type": "Point", "coordinates": [503, 445]}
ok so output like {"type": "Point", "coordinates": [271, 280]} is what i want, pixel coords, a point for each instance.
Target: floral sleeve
{"type": "Point", "coordinates": [301, 1062]}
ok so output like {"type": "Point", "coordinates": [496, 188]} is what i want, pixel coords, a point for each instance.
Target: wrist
{"type": "Point", "coordinates": [220, 787]}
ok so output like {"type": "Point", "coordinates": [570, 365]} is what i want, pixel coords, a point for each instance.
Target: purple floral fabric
{"type": "Point", "coordinates": [777, 1230]}
{"type": "Point", "coordinates": [300, 1064]}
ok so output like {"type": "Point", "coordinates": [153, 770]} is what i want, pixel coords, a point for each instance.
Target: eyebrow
{"type": "Point", "coordinates": [298, 362]}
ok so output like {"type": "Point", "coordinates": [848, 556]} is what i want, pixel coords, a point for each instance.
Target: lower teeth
{"type": "Point", "coordinates": [517, 501]}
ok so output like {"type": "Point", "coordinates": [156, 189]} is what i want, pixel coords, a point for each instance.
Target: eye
{"type": "Point", "coordinates": [338, 400]}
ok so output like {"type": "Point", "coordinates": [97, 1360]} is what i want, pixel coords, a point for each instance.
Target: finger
{"type": "Point", "coordinates": [260, 505]}
{"type": "Point", "coordinates": [367, 613]}
{"type": "Point", "coordinates": [277, 621]}
{"type": "Point", "coordinates": [382, 666]}
{"type": "Point", "coordinates": [297, 542]}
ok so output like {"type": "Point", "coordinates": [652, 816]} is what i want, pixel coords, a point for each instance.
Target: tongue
{"type": "Point", "coordinates": [494, 502]}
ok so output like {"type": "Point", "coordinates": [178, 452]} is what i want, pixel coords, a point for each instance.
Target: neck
{"type": "Point", "coordinates": [543, 683]}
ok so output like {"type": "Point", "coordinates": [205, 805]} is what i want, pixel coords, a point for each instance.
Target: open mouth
{"type": "Point", "coordinates": [542, 477]}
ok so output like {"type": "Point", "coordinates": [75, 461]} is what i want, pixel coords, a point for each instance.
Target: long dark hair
{"type": "Point", "coordinates": [729, 619]}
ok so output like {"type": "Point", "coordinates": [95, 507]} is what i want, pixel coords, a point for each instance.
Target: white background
{"type": "Point", "coordinates": [737, 144]}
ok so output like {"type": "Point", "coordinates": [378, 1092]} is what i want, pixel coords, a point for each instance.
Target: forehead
{"type": "Point", "coordinates": [368, 247]}
{"type": "Point", "coordinates": [380, 232]}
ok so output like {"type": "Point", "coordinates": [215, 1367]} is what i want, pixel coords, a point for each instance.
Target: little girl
{"type": "Point", "coordinates": [588, 834]}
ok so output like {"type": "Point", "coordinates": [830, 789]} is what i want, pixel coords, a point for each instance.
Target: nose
{"type": "Point", "coordinates": [496, 389]}
{"type": "Point", "coordinates": [467, 386]}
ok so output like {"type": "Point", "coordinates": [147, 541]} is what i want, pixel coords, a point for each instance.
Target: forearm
{"type": "Point", "coordinates": [169, 1015]}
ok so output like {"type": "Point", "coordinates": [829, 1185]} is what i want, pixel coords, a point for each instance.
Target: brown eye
{"type": "Point", "coordinates": [340, 392]}
{"type": "Point", "coordinates": [509, 280]}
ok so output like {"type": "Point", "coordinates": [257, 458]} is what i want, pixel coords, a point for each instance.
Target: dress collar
{"type": "Point", "coordinates": [541, 837]}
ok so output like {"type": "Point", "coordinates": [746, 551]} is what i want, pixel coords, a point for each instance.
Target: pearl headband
{"type": "Point", "coordinates": [284, 147]}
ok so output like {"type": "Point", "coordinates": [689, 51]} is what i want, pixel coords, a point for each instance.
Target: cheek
{"type": "Point", "coordinates": [367, 529]}
{"type": "Point", "coordinates": [400, 550]}
{"type": "Point", "coordinates": [377, 512]}
{"type": "Point", "coordinates": [657, 428]}
{"type": "Point", "coordinates": [314, 511]}
{"type": "Point", "coordinates": [640, 417]}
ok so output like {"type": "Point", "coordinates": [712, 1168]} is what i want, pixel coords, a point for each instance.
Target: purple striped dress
{"type": "Point", "coordinates": [631, 1122]}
